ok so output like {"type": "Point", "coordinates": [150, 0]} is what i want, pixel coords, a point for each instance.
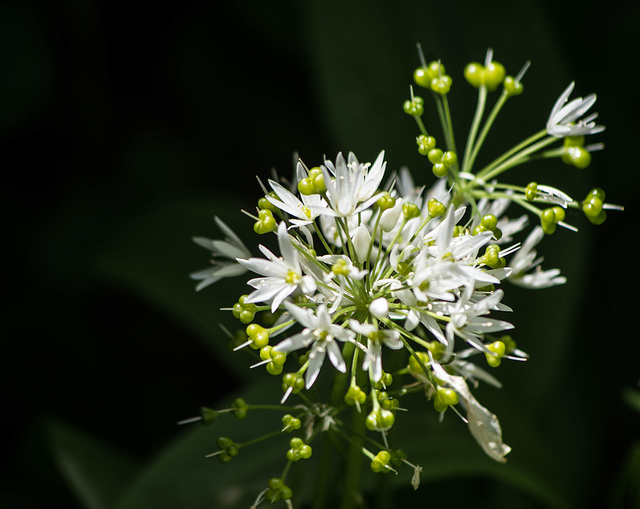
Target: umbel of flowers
{"type": "Point", "coordinates": [371, 268]}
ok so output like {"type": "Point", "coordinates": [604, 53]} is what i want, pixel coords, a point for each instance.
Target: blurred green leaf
{"type": "Point", "coordinates": [632, 398]}
{"type": "Point", "coordinates": [626, 489]}
{"type": "Point", "coordinates": [151, 254]}
{"type": "Point", "coordinates": [96, 472]}
{"type": "Point", "coordinates": [446, 450]}
{"type": "Point", "coordinates": [181, 476]}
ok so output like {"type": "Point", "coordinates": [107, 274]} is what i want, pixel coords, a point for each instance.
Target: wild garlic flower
{"type": "Point", "coordinates": [351, 186]}
{"type": "Point", "coordinates": [229, 249]}
{"type": "Point", "coordinates": [565, 120]}
{"type": "Point", "coordinates": [282, 276]}
{"type": "Point", "coordinates": [401, 286]}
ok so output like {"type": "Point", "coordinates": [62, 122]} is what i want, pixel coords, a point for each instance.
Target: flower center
{"type": "Point", "coordinates": [292, 278]}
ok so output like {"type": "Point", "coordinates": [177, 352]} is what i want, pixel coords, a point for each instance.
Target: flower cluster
{"type": "Point", "coordinates": [399, 286]}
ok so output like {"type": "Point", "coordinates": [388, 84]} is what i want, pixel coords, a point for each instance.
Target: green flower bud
{"type": "Point", "coordinates": [266, 222]}
{"type": "Point", "coordinates": [355, 395]}
{"type": "Point", "coordinates": [265, 204]}
{"type": "Point", "coordinates": [576, 156]}
{"type": "Point", "coordinates": [489, 221]}
{"type": "Point", "coordinates": [290, 423]}
{"type": "Point", "coordinates": [439, 170]}
{"type": "Point", "coordinates": [512, 87]}
{"type": "Point", "coordinates": [224, 442]}
{"type": "Point", "coordinates": [494, 74]}
{"type": "Point", "coordinates": [422, 77]}
{"type": "Point", "coordinates": [410, 210]}
{"type": "Point", "coordinates": [414, 107]}
{"type": "Point", "coordinates": [240, 408]}
{"type": "Point", "coordinates": [317, 178]}
{"type": "Point", "coordinates": [548, 216]}
{"type": "Point", "coordinates": [449, 158]}
{"type": "Point", "coordinates": [444, 398]}
{"type": "Point", "coordinates": [286, 493]}
{"type": "Point", "coordinates": [435, 69]}
{"type": "Point", "coordinates": [425, 144]}
{"type": "Point", "coordinates": [299, 450]}
{"type": "Point", "coordinates": [414, 367]}
{"type": "Point", "coordinates": [380, 420]}
{"type": "Point", "coordinates": [437, 350]}
{"type": "Point", "coordinates": [276, 484]}
{"type": "Point", "coordinates": [293, 381]}
{"type": "Point", "coordinates": [474, 74]}
{"type": "Point", "coordinates": [531, 191]}
{"type": "Point", "coordinates": [274, 369]}
{"type": "Point", "coordinates": [386, 201]}
{"type": "Point", "coordinates": [497, 349]}
{"type": "Point", "coordinates": [380, 464]}
{"type": "Point", "coordinates": [435, 208]}
{"type": "Point", "coordinates": [441, 85]}
{"type": "Point", "coordinates": [306, 187]}
{"type": "Point", "coordinates": [435, 155]}
{"type": "Point", "coordinates": [599, 218]}
{"type": "Point", "coordinates": [208, 415]}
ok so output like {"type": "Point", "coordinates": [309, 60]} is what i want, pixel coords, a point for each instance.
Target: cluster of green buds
{"type": "Point", "coordinates": [470, 185]}
{"type": "Point", "coordinates": [313, 184]}
{"type": "Point", "coordinates": [574, 153]}
{"type": "Point", "coordinates": [245, 312]}
{"type": "Point", "coordinates": [432, 76]}
{"type": "Point", "coordinates": [593, 206]}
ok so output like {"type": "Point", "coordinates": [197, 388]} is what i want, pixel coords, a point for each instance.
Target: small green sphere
{"type": "Point", "coordinates": [474, 74]}
{"type": "Point", "coordinates": [512, 87]}
{"type": "Point", "coordinates": [422, 77]}
{"type": "Point", "coordinates": [494, 74]}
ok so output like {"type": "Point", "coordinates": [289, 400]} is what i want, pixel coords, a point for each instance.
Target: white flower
{"type": "Point", "coordinates": [375, 339]}
{"type": "Point", "coordinates": [351, 187]}
{"type": "Point", "coordinates": [469, 320]}
{"type": "Point", "coordinates": [283, 276]}
{"type": "Point", "coordinates": [526, 259]}
{"type": "Point", "coordinates": [563, 117]}
{"type": "Point", "coordinates": [303, 211]}
{"type": "Point", "coordinates": [321, 334]}
{"type": "Point", "coordinates": [230, 248]}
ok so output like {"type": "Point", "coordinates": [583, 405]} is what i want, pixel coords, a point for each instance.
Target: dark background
{"type": "Point", "coordinates": [125, 126]}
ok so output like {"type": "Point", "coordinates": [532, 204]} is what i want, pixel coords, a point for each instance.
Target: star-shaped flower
{"type": "Point", "coordinates": [376, 337]}
{"type": "Point", "coordinates": [282, 276]}
{"type": "Point", "coordinates": [320, 333]}
{"type": "Point", "coordinates": [564, 119]}
{"type": "Point", "coordinates": [230, 249]}
{"type": "Point", "coordinates": [352, 186]}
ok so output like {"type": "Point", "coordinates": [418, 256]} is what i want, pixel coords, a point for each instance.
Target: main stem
{"type": "Point", "coordinates": [351, 489]}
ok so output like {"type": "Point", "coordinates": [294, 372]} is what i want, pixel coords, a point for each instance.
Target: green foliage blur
{"type": "Point", "coordinates": [126, 126]}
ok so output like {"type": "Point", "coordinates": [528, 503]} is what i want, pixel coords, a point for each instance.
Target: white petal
{"type": "Point", "coordinates": [295, 342]}
{"type": "Point", "coordinates": [362, 242]}
{"type": "Point", "coordinates": [379, 307]}
{"type": "Point", "coordinates": [316, 358]}
{"type": "Point", "coordinates": [336, 357]}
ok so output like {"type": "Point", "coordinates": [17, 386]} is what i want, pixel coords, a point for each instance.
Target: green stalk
{"type": "Point", "coordinates": [351, 489]}
{"type": "Point", "coordinates": [485, 129]}
{"type": "Point", "coordinates": [518, 158]}
{"type": "Point", "coordinates": [475, 124]}
{"type": "Point", "coordinates": [525, 143]}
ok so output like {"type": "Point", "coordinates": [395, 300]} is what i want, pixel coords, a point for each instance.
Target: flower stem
{"type": "Point", "coordinates": [518, 158]}
{"type": "Point", "coordinates": [485, 130]}
{"type": "Point", "coordinates": [353, 467]}
{"type": "Point", "coordinates": [531, 139]}
{"type": "Point", "coordinates": [473, 130]}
